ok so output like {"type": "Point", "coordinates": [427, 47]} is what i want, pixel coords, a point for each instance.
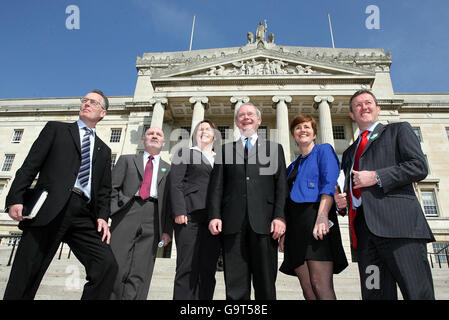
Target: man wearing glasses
{"type": "Point", "coordinates": [74, 168]}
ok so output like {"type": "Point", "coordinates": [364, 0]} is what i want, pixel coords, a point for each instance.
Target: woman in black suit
{"type": "Point", "coordinates": [197, 250]}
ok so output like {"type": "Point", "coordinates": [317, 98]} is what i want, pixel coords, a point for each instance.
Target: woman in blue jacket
{"type": "Point", "coordinates": [312, 244]}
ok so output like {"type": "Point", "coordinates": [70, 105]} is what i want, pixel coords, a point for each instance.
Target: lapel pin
{"type": "Point", "coordinates": [163, 169]}
{"type": "Point", "coordinates": [374, 136]}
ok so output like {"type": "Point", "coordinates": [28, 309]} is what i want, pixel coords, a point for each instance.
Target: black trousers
{"type": "Point", "coordinates": [385, 262]}
{"type": "Point", "coordinates": [248, 255]}
{"type": "Point", "coordinates": [38, 245]}
{"type": "Point", "coordinates": [197, 252]}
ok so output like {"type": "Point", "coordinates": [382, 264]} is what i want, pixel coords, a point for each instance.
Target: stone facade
{"type": "Point", "coordinates": [178, 89]}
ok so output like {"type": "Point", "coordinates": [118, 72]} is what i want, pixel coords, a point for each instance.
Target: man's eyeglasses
{"type": "Point", "coordinates": [91, 101]}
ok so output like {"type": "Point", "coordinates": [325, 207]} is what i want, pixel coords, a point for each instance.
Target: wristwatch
{"type": "Point", "coordinates": [379, 183]}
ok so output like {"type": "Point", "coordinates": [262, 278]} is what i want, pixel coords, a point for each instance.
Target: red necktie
{"type": "Point", "coordinates": [356, 192]}
{"type": "Point", "coordinates": [145, 188]}
{"type": "Point", "coordinates": [364, 140]}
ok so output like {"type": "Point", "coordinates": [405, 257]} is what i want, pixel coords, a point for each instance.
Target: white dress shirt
{"type": "Point", "coordinates": [251, 139]}
{"type": "Point", "coordinates": [156, 159]}
{"type": "Point", "coordinates": [209, 158]}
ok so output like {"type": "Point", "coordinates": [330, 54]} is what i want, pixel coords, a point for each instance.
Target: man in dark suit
{"type": "Point", "coordinates": [246, 200]}
{"type": "Point", "coordinates": [74, 167]}
{"type": "Point", "coordinates": [388, 227]}
{"type": "Point", "coordinates": [139, 217]}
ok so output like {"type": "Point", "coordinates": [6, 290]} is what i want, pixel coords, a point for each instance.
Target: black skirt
{"type": "Point", "coordinates": [300, 245]}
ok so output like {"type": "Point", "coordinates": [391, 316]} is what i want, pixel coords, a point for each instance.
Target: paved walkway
{"type": "Point", "coordinates": [65, 279]}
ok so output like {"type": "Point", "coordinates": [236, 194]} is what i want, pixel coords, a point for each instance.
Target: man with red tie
{"type": "Point", "coordinates": [138, 214]}
{"type": "Point", "coordinates": [388, 228]}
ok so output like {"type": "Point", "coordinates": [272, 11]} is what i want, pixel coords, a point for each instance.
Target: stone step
{"type": "Point", "coordinates": [65, 279]}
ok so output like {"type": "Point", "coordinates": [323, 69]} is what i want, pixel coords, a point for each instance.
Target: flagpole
{"type": "Point", "coordinates": [330, 27]}
{"type": "Point", "coordinates": [191, 36]}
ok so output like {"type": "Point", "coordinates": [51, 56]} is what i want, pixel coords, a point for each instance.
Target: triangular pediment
{"type": "Point", "coordinates": [257, 63]}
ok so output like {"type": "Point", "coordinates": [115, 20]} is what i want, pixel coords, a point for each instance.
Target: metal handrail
{"type": "Point", "coordinates": [15, 240]}
{"type": "Point", "coordinates": [438, 255]}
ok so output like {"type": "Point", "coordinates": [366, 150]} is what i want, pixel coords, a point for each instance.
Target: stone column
{"type": "Point", "coordinates": [144, 89]}
{"type": "Point", "coordinates": [322, 103]}
{"type": "Point", "coordinates": [237, 101]}
{"type": "Point", "coordinates": [157, 118]}
{"type": "Point", "coordinates": [199, 104]}
{"type": "Point", "coordinates": [355, 131]}
{"type": "Point", "coordinates": [282, 125]}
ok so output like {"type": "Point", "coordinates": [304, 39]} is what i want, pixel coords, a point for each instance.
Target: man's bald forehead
{"type": "Point", "coordinates": [155, 129]}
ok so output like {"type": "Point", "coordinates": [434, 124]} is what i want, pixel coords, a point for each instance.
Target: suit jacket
{"type": "Point", "coordinates": [393, 210]}
{"type": "Point", "coordinates": [56, 156]}
{"type": "Point", "coordinates": [127, 177]}
{"type": "Point", "coordinates": [188, 182]}
{"type": "Point", "coordinates": [260, 187]}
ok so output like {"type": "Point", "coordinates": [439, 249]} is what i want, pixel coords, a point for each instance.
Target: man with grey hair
{"type": "Point", "coordinates": [247, 192]}
{"type": "Point", "coordinates": [74, 168]}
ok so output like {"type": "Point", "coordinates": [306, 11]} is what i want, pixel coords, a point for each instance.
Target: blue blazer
{"type": "Point", "coordinates": [317, 174]}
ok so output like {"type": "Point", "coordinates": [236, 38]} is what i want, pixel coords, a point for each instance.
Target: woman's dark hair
{"type": "Point", "coordinates": [300, 118]}
{"type": "Point", "coordinates": [214, 128]}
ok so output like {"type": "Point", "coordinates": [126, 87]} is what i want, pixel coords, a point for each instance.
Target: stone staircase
{"type": "Point", "coordinates": [65, 278]}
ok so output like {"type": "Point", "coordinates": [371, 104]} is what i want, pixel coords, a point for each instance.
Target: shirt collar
{"type": "Point", "coordinates": [82, 125]}
{"type": "Point", "coordinates": [252, 138]}
{"type": "Point", "coordinates": [155, 156]}
{"type": "Point", "coordinates": [198, 148]}
{"type": "Point", "coordinates": [372, 127]}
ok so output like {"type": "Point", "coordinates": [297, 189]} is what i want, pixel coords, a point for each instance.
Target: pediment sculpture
{"type": "Point", "coordinates": [260, 67]}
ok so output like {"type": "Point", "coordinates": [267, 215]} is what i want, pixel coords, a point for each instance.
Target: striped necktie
{"type": "Point", "coordinates": [83, 175]}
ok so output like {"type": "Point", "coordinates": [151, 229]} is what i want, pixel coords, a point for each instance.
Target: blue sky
{"type": "Point", "coordinates": [40, 57]}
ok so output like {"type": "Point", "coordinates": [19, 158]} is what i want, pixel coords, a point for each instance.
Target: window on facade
{"type": "Point", "coordinates": [442, 252]}
{"type": "Point", "coordinates": [223, 132]}
{"type": "Point", "coordinates": [430, 203]}
{"type": "Point", "coordinates": [447, 133]}
{"type": "Point", "coordinates": [417, 131]}
{"type": "Point", "coordinates": [17, 135]}
{"type": "Point", "coordinates": [339, 132]}
{"type": "Point", "coordinates": [7, 163]}
{"type": "Point", "coordinates": [113, 159]}
{"type": "Point", "coordinates": [262, 131]}
{"type": "Point", "coordinates": [1, 189]}
{"type": "Point", "coordinates": [115, 135]}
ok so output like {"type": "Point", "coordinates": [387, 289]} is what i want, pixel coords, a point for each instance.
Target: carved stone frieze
{"type": "Point", "coordinates": [253, 67]}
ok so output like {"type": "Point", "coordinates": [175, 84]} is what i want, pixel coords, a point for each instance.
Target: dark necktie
{"type": "Point", "coordinates": [292, 176]}
{"type": "Point", "coordinates": [145, 188]}
{"type": "Point", "coordinates": [364, 140]}
{"type": "Point", "coordinates": [247, 148]}
{"type": "Point", "coordinates": [83, 174]}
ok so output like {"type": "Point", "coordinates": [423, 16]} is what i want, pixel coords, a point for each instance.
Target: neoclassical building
{"type": "Point", "coordinates": [176, 90]}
